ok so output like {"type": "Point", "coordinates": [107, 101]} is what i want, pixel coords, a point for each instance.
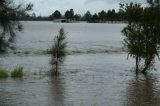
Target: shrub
{"type": "Point", "coordinates": [17, 72]}
{"type": "Point", "coordinates": [58, 51]}
{"type": "Point", "coordinates": [3, 73]}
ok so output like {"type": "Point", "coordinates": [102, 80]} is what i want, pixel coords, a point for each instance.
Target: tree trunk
{"type": "Point", "coordinates": [147, 65]}
{"type": "Point", "coordinates": [56, 72]}
{"type": "Point", "coordinates": [137, 65]}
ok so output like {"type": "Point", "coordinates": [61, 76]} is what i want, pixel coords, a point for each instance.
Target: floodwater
{"type": "Point", "coordinates": [95, 73]}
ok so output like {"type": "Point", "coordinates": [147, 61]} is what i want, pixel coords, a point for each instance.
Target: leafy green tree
{"type": "Point", "coordinates": [88, 16]}
{"type": "Point", "coordinates": [67, 14]}
{"type": "Point", "coordinates": [121, 16]}
{"type": "Point", "coordinates": [71, 14]}
{"type": "Point", "coordinates": [95, 18]}
{"type": "Point", "coordinates": [56, 15]}
{"type": "Point", "coordinates": [111, 14]}
{"type": "Point", "coordinates": [102, 15]}
{"type": "Point", "coordinates": [142, 35]}
{"type": "Point", "coordinates": [9, 24]}
{"type": "Point", "coordinates": [58, 51]}
{"type": "Point", "coordinates": [77, 17]}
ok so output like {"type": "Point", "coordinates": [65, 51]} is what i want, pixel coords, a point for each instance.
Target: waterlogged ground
{"type": "Point", "coordinates": [93, 74]}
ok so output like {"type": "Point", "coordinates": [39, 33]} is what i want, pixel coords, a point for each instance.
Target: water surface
{"type": "Point", "coordinates": [96, 73]}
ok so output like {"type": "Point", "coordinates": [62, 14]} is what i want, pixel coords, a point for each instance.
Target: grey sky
{"type": "Point", "coordinates": [46, 7]}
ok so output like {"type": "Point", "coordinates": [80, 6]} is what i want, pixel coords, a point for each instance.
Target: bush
{"type": "Point", "coordinates": [17, 72]}
{"type": "Point", "coordinates": [58, 51]}
{"type": "Point", "coordinates": [3, 73]}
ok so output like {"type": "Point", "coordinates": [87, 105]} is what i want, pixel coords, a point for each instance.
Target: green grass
{"type": "Point", "coordinates": [3, 73]}
{"type": "Point", "coordinates": [17, 72]}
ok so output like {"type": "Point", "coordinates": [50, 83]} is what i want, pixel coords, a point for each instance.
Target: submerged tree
{"type": "Point", "coordinates": [142, 35]}
{"type": "Point", "coordinates": [9, 16]}
{"type": "Point", "coordinates": [58, 51]}
{"type": "Point", "coordinates": [134, 39]}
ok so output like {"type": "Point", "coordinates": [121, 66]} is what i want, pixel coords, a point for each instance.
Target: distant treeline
{"type": "Point", "coordinates": [69, 15]}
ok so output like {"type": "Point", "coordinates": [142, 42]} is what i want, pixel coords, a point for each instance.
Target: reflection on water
{"type": "Point", "coordinates": [57, 92]}
{"type": "Point", "coordinates": [9, 97]}
{"type": "Point", "coordinates": [86, 80]}
{"type": "Point", "coordinates": [32, 91]}
{"type": "Point", "coordinates": [142, 91]}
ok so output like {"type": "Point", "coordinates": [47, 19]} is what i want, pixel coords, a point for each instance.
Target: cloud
{"type": "Point", "coordinates": [115, 1]}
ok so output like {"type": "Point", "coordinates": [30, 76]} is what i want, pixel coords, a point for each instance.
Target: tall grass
{"type": "Point", "coordinates": [17, 72]}
{"type": "Point", "coordinates": [3, 73]}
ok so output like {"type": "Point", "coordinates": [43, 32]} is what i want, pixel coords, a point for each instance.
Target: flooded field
{"type": "Point", "coordinates": [96, 71]}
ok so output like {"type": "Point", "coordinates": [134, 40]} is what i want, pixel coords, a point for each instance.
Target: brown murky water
{"type": "Point", "coordinates": [96, 78]}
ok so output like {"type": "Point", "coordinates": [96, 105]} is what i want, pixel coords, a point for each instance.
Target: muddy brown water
{"type": "Point", "coordinates": [96, 78]}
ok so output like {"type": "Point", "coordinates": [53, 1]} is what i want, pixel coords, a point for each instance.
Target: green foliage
{"type": "Point", "coordinates": [77, 17]}
{"type": "Point", "coordinates": [56, 15]}
{"type": "Point", "coordinates": [69, 14]}
{"type": "Point", "coordinates": [58, 50]}
{"type": "Point", "coordinates": [17, 72]}
{"type": "Point", "coordinates": [102, 15]}
{"type": "Point", "coordinates": [88, 16]}
{"type": "Point", "coordinates": [95, 18]}
{"type": "Point", "coordinates": [142, 35]}
{"type": "Point", "coordinates": [9, 16]}
{"type": "Point", "coordinates": [3, 73]}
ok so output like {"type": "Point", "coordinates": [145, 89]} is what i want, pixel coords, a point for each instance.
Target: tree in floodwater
{"type": "Point", "coordinates": [58, 51]}
{"type": "Point", "coordinates": [142, 35]}
{"type": "Point", "coordinates": [9, 16]}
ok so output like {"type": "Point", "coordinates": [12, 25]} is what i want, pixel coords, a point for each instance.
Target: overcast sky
{"type": "Point", "coordinates": [46, 7]}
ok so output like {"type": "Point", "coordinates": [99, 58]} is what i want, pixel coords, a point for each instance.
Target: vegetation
{"type": "Point", "coordinates": [142, 36]}
{"type": "Point", "coordinates": [56, 15]}
{"type": "Point", "coordinates": [9, 16]}
{"type": "Point", "coordinates": [58, 51]}
{"type": "Point", "coordinates": [88, 16]}
{"type": "Point", "coordinates": [70, 15]}
{"type": "Point", "coordinates": [17, 72]}
{"type": "Point", "coordinates": [67, 14]}
{"type": "Point", "coordinates": [77, 17]}
{"type": "Point", "coordinates": [3, 73]}
{"type": "Point", "coordinates": [104, 16]}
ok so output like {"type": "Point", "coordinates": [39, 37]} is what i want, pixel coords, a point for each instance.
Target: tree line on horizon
{"type": "Point", "coordinates": [70, 15]}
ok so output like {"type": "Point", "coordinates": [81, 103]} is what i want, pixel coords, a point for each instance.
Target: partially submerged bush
{"type": "Point", "coordinates": [58, 51]}
{"type": "Point", "coordinates": [17, 72]}
{"type": "Point", "coordinates": [53, 72]}
{"type": "Point", "coordinates": [142, 35]}
{"type": "Point", "coordinates": [3, 73]}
